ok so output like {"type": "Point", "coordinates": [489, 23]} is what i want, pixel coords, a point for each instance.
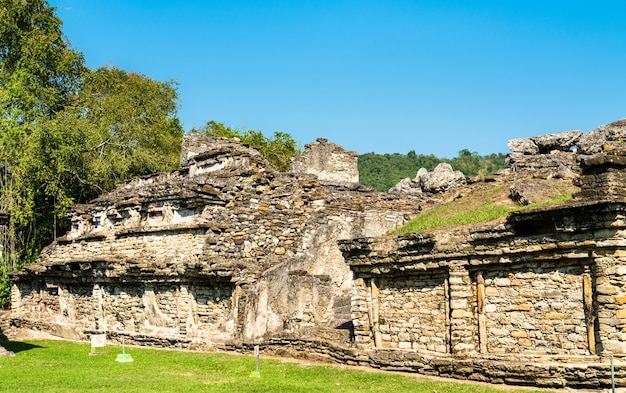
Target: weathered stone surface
{"type": "Point", "coordinates": [558, 164]}
{"type": "Point", "coordinates": [328, 161]}
{"type": "Point", "coordinates": [4, 352]}
{"type": "Point", "coordinates": [523, 146]}
{"type": "Point", "coordinates": [612, 134]}
{"type": "Point", "coordinates": [545, 144]}
{"type": "Point", "coordinates": [407, 186]}
{"type": "Point", "coordinates": [224, 248]}
{"type": "Point", "coordinates": [603, 175]}
{"type": "Point", "coordinates": [527, 191]}
{"type": "Point", "coordinates": [441, 179]}
{"type": "Point", "coordinates": [561, 141]}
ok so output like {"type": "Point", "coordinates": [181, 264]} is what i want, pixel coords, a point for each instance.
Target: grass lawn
{"type": "Point", "coordinates": [62, 366]}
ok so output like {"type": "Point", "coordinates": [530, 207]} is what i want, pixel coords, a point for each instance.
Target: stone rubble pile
{"type": "Point", "coordinates": [441, 179]}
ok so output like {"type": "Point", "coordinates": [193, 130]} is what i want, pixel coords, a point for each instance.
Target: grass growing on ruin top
{"type": "Point", "coordinates": [480, 206]}
{"type": "Point", "coordinates": [62, 366]}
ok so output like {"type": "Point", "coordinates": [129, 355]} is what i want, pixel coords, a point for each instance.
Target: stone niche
{"type": "Point", "coordinates": [224, 250]}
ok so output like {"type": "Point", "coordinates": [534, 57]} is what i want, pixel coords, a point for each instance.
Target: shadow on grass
{"type": "Point", "coordinates": [17, 346]}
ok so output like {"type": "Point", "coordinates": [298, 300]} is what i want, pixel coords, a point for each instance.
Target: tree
{"type": "Point", "coordinates": [39, 73]}
{"type": "Point", "coordinates": [69, 133]}
{"type": "Point", "coordinates": [278, 150]}
{"type": "Point", "coordinates": [118, 126]}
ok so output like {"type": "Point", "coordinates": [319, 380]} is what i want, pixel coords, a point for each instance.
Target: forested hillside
{"type": "Point", "coordinates": [383, 171]}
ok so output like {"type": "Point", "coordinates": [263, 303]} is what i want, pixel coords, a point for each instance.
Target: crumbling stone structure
{"type": "Point", "coordinates": [329, 162]}
{"type": "Point", "coordinates": [441, 179]}
{"type": "Point", "coordinates": [224, 249]}
{"type": "Point", "coordinates": [226, 252]}
{"type": "Point", "coordinates": [556, 155]}
{"type": "Point", "coordinates": [539, 299]}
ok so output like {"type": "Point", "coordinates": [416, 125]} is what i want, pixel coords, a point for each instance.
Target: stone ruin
{"type": "Point", "coordinates": [328, 162]}
{"type": "Point", "coordinates": [226, 249]}
{"type": "Point", "coordinates": [227, 253]}
{"type": "Point", "coordinates": [556, 155]}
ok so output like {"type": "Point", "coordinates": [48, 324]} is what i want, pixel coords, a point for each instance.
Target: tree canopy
{"type": "Point", "coordinates": [67, 132]}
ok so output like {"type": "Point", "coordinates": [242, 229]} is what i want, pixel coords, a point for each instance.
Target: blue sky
{"type": "Point", "coordinates": [373, 76]}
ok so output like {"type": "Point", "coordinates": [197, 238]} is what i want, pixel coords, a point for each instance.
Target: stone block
{"type": "Point", "coordinates": [556, 315]}
{"type": "Point", "coordinates": [606, 289]}
{"type": "Point", "coordinates": [519, 334]}
{"type": "Point", "coordinates": [458, 304]}
{"type": "Point", "coordinates": [405, 345]}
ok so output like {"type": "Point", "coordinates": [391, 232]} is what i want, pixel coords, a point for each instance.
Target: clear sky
{"type": "Point", "coordinates": [373, 76]}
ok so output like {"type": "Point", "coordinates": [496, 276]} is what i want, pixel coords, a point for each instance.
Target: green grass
{"type": "Point", "coordinates": [61, 366]}
{"type": "Point", "coordinates": [485, 206]}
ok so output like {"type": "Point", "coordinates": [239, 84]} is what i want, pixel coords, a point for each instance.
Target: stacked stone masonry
{"type": "Point", "coordinates": [228, 253]}
{"type": "Point", "coordinates": [226, 248]}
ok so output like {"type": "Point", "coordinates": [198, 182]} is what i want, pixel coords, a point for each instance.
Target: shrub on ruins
{"type": "Point", "coordinates": [277, 149]}
{"type": "Point", "coordinates": [69, 133]}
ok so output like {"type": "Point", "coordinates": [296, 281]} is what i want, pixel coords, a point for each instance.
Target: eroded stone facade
{"type": "Point", "coordinates": [547, 286]}
{"type": "Point", "coordinates": [226, 252]}
{"type": "Point", "coordinates": [226, 248]}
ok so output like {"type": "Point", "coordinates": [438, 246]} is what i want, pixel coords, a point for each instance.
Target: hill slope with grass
{"type": "Point", "coordinates": [481, 202]}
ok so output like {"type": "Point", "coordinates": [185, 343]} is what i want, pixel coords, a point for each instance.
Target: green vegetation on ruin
{"type": "Point", "coordinates": [483, 205]}
{"type": "Point", "coordinates": [62, 366]}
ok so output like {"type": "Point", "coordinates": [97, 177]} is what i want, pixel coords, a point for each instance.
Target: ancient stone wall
{"type": "Point", "coordinates": [226, 248]}
{"type": "Point", "coordinates": [548, 286]}
{"type": "Point", "coordinates": [5, 325]}
{"type": "Point", "coordinates": [328, 161]}
{"type": "Point", "coordinates": [227, 252]}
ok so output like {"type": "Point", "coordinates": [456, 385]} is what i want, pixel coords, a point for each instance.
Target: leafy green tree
{"type": "Point", "coordinates": [39, 74]}
{"type": "Point", "coordinates": [69, 133]}
{"type": "Point", "coordinates": [118, 126]}
{"type": "Point", "coordinates": [278, 150]}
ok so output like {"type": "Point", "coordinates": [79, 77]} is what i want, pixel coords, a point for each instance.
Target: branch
{"type": "Point", "coordinates": [77, 176]}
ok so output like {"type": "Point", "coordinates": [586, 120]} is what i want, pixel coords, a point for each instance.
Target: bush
{"type": "Point", "coordinates": [5, 289]}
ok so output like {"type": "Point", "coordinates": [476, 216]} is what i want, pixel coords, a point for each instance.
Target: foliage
{"type": "Point", "coordinates": [69, 133]}
{"type": "Point", "coordinates": [5, 288]}
{"type": "Point", "coordinates": [278, 150]}
{"type": "Point", "coordinates": [481, 206]}
{"type": "Point", "coordinates": [61, 366]}
{"type": "Point", "coordinates": [38, 75]}
{"type": "Point", "coordinates": [383, 171]}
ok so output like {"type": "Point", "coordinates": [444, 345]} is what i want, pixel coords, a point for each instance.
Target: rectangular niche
{"type": "Point", "coordinates": [412, 311]}
{"type": "Point", "coordinates": [535, 308]}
